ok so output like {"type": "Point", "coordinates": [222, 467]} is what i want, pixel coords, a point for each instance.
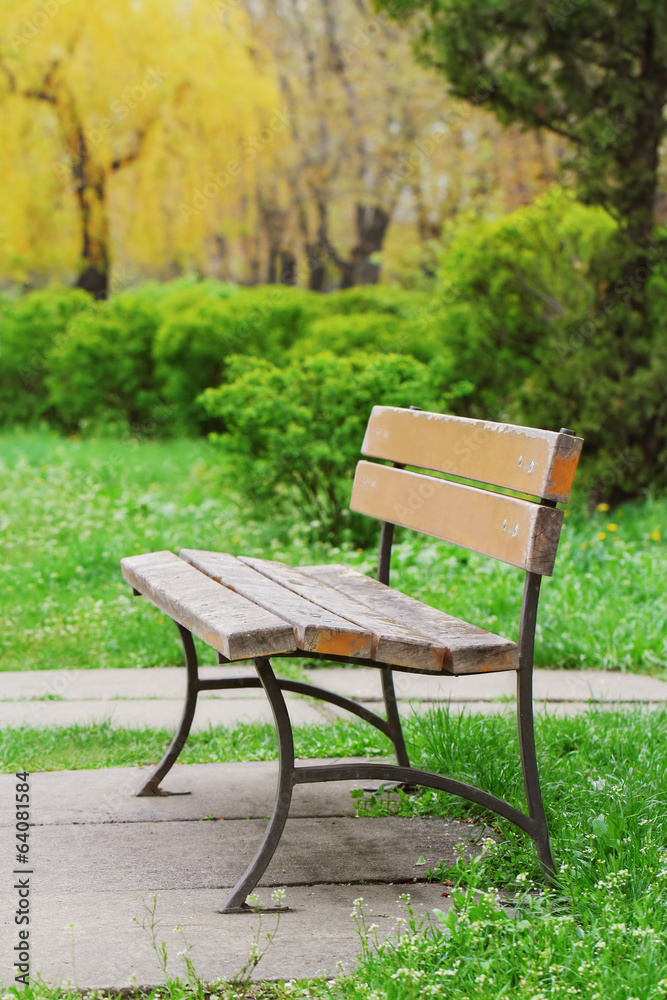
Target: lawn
{"type": "Point", "coordinates": [70, 509]}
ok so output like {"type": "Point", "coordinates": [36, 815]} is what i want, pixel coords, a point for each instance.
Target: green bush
{"type": "Point", "coordinates": [31, 329]}
{"type": "Point", "coordinates": [505, 288]}
{"type": "Point", "coordinates": [154, 349]}
{"type": "Point", "coordinates": [604, 373]}
{"type": "Point", "coordinates": [387, 299]}
{"type": "Point", "coordinates": [295, 432]}
{"type": "Point", "coordinates": [195, 342]}
{"type": "Point", "coordinates": [376, 318]}
{"type": "Point", "coordinates": [101, 370]}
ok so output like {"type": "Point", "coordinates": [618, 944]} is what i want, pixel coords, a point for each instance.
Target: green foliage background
{"type": "Point", "coordinates": [517, 327]}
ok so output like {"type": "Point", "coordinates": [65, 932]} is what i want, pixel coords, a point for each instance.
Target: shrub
{"type": "Point", "coordinates": [604, 372]}
{"type": "Point", "coordinates": [101, 370]}
{"type": "Point", "coordinates": [295, 432]}
{"type": "Point", "coordinates": [193, 345]}
{"type": "Point", "coordinates": [388, 299]}
{"type": "Point", "coordinates": [31, 329]}
{"type": "Point", "coordinates": [505, 287]}
{"type": "Point", "coordinates": [375, 332]}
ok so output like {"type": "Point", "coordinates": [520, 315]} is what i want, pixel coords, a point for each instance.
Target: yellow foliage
{"type": "Point", "coordinates": [152, 103]}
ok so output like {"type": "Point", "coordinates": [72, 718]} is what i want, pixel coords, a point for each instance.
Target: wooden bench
{"type": "Point", "coordinates": [254, 609]}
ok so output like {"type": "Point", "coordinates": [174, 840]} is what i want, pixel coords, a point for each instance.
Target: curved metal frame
{"type": "Point", "coordinates": [236, 900]}
{"type": "Point", "coordinates": [534, 823]}
{"type": "Point", "coordinates": [152, 786]}
{"type": "Point", "coordinates": [391, 727]}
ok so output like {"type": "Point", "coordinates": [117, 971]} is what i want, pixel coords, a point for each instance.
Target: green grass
{"type": "Point", "coordinates": [70, 509]}
{"type": "Point", "coordinates": [601, 935]}
{"type": "Point", "coordinates": [104, 745]}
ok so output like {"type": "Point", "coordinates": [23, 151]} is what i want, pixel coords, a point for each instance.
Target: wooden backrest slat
{"type": "Point", "coordinates": [515, 531]}
{"type": "Point", "coordinates": [539, 463]}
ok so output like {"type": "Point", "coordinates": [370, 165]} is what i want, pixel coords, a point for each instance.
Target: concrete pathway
{"type": "Point", "coordinates": [101, 859]}
{"type": "Point", "coordinates": [135, 698]}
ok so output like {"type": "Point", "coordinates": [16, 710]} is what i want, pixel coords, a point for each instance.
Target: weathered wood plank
{"type": "Point", "coordinates": [316, 629]}
{"type": "Point", "coordinates": [515, 531]}
{"type": "Point", "coordinates": [393, 642]}
{"type": "Point", "coordinates": [234, 626]}
{"type": "Point", "coordinates": [468, 648]}
{"type": "Point", "coordinates": [540, 463]}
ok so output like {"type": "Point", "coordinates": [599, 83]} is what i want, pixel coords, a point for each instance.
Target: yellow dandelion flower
{"type": "Point", "coordinates": [655, 535]}
{"type": "Point", "coordinates": [602, 535]}
{"type": "Point", "coordinates": [612, 527]}
{"type": "Point", "coordinates": [583, 546]}
{"type": "Point", "coordinates": [602, 507]}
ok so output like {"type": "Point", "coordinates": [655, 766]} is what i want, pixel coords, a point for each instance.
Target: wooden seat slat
{"type": "Point", "coordinates": [515, 531]}
{"type": "Point", "coordinates": [394, 642]}
{"type": "Point", "coordinates": [468, 648]}
{"type": "Point", "coordinates": [316, 629]}
{"type": "Point", "coordinates": [524, 459]}
{"type": "Point", "coordinates": [236, 627]}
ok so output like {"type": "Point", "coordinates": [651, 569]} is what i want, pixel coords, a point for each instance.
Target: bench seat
{"type": "Point", "coordinates": [245, 607]}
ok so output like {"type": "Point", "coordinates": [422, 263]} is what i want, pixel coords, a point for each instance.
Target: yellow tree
{"type": "Point", "coordinates": [157, 94]}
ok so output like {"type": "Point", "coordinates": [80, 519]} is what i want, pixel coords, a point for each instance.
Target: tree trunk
{"type": "Point", "coordinates": [317, 266]}
{"type": "Point", "coordinates": [372, 224]}
{"type": "Point", "coordinates": [287, 268]}
{"type": "Point", "coordinates": [91, 196]}
{"type": "Point", "coordinates": [273, 223]}
{"type": "Point", "coordinates": [272, 269]}
{"type": "Point", "coordinates": [318, 253]}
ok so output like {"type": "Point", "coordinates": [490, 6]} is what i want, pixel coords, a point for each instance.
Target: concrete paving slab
{"type": "Point", "coordinates": [152, 857]}
{"type": "Point", "coordinates": [105, 949]}
{"type": "Point", "coordinates": [90, 878]}
{"type": "Point", "coordinates": [230, 791]}
{"type": "Point", "coordinates": [155, 714]}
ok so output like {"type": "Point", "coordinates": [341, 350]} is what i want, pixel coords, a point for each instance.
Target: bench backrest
{"type": "Point", "coordinates": [539, 463]}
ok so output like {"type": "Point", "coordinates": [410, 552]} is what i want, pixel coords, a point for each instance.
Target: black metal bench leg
{"type": "Point", "coordinates": [531, 778]}
{"type": "Point", "coordinates": [236, 900]}
{"type": "Point", "coordinates": [524, 706]}
{"type": "Point", "coordinates": [394, 719]}
{"type": "Point", "coordinates": [152, 786]}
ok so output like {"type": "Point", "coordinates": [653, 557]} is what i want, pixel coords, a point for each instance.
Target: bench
{"type": "Point", "coordinates": [256, 609]}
